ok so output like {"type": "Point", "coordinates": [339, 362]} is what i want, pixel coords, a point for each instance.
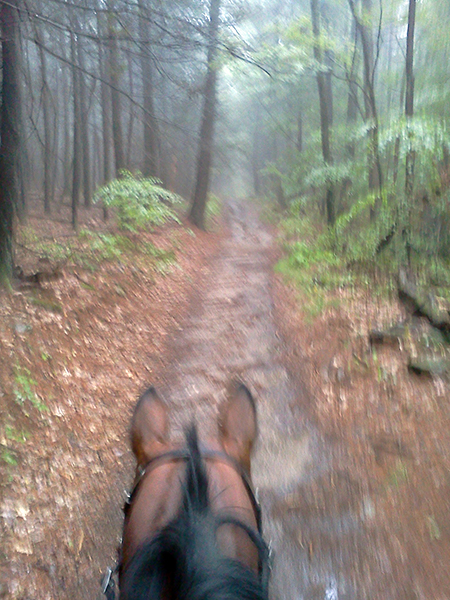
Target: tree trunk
{"type": "Point", "coordinates": [48, 145]}
{"type": "Point", "coordinates": [77, 148]}
{"type": "Point", "coordinates": [84, 133]}
{"type": "Point", "coordinates": [409, 112]}
{"type": "Point", "coordinates": [119, 159]}
{"type": "Point", "coordinates": [197, 213]}
{"type": "Point", "coordinates": [352, 100]}
{"type": "Point", "coordinates": [324, 111]}
{"type": "Point", "coordinates": [363, 26]}
{"type": "Point", "coordinates": [10, 131]}
{"type": "Point", "coordinates": [150, 166]}
{"type": "Point", "coordinates": [67, 162]}
{"type": "Point", "coordinates": [409, 96]}
{"type": "Point", "coordinates": [396, 158]}
{"type": "Point", "coordinates": [130, 128]}
{"type": "Point", "coordinates": [105, 92]}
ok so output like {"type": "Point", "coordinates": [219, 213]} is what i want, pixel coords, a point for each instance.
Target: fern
{"type": "Point", "coordinates": [139, 201]}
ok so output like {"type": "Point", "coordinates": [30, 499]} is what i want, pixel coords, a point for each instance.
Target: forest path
{"type": "Point", "coordinates": [231, 332]}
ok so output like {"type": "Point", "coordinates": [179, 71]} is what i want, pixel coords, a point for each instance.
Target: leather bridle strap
{"type": "Point", "coordinates": [183, 455]}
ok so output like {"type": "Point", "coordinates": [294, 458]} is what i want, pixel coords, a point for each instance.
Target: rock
{"type": "Point", "coordinates": [431, 365]}
{"type": "Point", "coordinates": [391, 335]}
{"type": "Point", "coordinates": [21, 327]}
{"type": "Point", "coordinates": [424, 303]}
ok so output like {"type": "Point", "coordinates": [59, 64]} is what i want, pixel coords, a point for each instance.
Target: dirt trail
{"type": "Point", "coordinates": [231, 332]}
{"type": "Point", "coordinates": [61, 517]}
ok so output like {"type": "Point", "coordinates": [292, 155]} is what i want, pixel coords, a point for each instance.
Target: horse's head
{"type": "Point", "coordinates": [193, 521]}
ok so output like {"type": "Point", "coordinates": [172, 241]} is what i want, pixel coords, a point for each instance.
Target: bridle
{"type": "Point", "coordinates": [182, 455]}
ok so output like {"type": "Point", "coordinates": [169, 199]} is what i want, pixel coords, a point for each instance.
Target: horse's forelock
{"type": "Point", "coordinates": [183, 561]}
{"type": "Point", "coordinates": [195, 497]}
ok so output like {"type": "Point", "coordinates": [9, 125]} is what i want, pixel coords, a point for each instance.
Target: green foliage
{"type": "Point", "coordinates": [139, 201]}
{"type": "Point", "coordinates": [24, 389]}
{"type": "Point", "coordinates": [324, 175]}
{"type": "Point", "coordinates": [163, 259]}
{"type": "Point", "coordinates": [213, 207]}
{"type": "Point", "coordinates": [14, 435]}
{"type": "Point", "coordinates": [8, 456]}
{"type": "Point", "coordinates": [46, 303]}
{"type": "Point", "coordinates": [311, 263]}
{"type": "Point", "coordinates": [106, 246]}
{"type": "Point", "coordinates": [399, 475]}
{"type": "Point", "coordinates": [433, 528]}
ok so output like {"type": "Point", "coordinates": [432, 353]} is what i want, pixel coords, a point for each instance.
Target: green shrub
{"type": "Point", "coordinates": [139, 201]}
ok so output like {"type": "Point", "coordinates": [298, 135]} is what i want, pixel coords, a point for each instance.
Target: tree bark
{"type": "Point", "coordinates": [129, 135]}
{"type": "Point", "coordinates": [324, 111]}
{"type": "Point", "coordinates": [48, 143]}
{"type": "Point", "coordinates": [10, 131]}
{"type": "Point", "coordinates": [197, 213]}
{"type": "Point", "coordinates": [352, 101]}
{"type": "Point", "coordinates": [396, 158]}
{"type": "Point", "coordinates": [409, 96]}
{"type": "Point", "coordinates": [150, 166]}
{"type": "Point", "coordinates": [409, 113]}
{"type": "Point", "coordinates": [119, 159]}
{"type": "Point", "coordinates": [77, 148]}
{"type": "Point", "coordinates": [105, 92]}
{"type": "Point", "coordinates": [84, 126]}
{"type": "Point", "coordinates": [371, 115]}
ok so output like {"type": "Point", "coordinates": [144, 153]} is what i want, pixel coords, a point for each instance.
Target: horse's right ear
{"type": "Point", "coordinates": [237, 424]}
{"type": "Point", "coordinates": [149, 427]}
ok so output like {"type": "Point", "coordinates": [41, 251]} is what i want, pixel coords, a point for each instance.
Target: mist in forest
{"type": "Point", "coordinates": [323, 103]}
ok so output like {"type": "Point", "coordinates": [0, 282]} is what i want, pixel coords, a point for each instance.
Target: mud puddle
{"type": "Point", "coordinates": [231, 332]}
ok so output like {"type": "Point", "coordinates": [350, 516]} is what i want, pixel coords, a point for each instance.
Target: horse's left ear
{"type": "Point", "coordinates": [149, 427]}
{"type": "Point", "coordinates": [237, 425]}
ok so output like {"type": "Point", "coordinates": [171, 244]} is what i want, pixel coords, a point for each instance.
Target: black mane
{"type": "Point", "coordinates": [183, 561]}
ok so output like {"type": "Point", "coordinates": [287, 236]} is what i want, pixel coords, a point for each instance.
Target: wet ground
{"type": "Point", "coordinates": [360, 514]}
{"type": "Point", "coordinates": [230, 333]}
{"type": "Point", "coordinates": [62, 512]}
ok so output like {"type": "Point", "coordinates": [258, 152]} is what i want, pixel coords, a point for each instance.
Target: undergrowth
{"type": "Point", "coordinates": [89, 249]}
{"type": "Point", "coordinates": [213, 210]}
{"type": "Point", "coordinates": [139, 202]}
{"type": "Point", "coordinates": [320, 261]}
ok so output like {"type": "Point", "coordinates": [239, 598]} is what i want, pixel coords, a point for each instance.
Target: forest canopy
{"type": "Point", "coordinates": [335, 109]}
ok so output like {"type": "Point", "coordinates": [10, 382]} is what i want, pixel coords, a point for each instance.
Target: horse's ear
{"type": "Point", "coordinates": [149, 427]}
{"type": "Point", "coordinates": [237, 424]}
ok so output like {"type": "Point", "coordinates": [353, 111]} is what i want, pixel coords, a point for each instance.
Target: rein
{"type": "Point", "coordinates": [183, 455]}
{"type": "Point", "coordinates": [264, 550]}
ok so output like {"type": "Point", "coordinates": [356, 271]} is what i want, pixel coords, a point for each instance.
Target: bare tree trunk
{"type": "Point", "coordinates": [324, 112]}
{"type": "Point", "coordinates": [409, 96]}
{"type": "Point", "coordinates": [409, 113]}
{"type": "Point", "coordinates": [363, 26]}
{"type": "Point", "coordinates": [77, 149]}
{"type": "Point", "coordinates": [10, 131]}
{"type": "Point", "coordinates": [197, 213]}
{"type": "Point", "coordinates": [396, 158]}
{"type": "Point", "coordinates": [129, 134]}
{"type": "Point", "coordinates": [105, 92]}
{"type": "Point", "coordinates": [150, 166]}
{"type": "Point", "coordinates": [84, 129]}
{"type": "Point", "coordinates": [67, 165]}
{"type": "Point", "coordinates": [48, 145]}
{"type": "Point", "coordinates": [119, 159]}
{"type": "Point", "coordinates": [352, 101]}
